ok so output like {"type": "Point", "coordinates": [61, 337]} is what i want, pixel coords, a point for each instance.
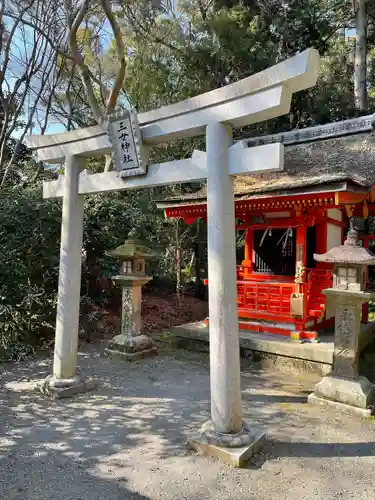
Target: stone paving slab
{"type": "Point", "coordinates": [127, 439]}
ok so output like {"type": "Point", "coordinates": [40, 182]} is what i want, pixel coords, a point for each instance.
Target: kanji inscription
{"type": "Point", "coordinates": [346, 339]}
{"type": "Point", "coordinates": [125, 137]}
{"type": "Point", "coordinates": [346, 327]}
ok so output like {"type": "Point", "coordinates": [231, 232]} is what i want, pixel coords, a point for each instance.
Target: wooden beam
{"type": "Point", "coordinates": [275, 223]}
{"type": "Point", "coordinates": [261, 159]}
{"type": "Point", "coordinates": [246, 161]}
{"type": "Point", "coordinates": [263, 204]}
{"type": "Point", "coordinates": [329, 220]}
{"type": "Point", "coordinates": [348, 198]}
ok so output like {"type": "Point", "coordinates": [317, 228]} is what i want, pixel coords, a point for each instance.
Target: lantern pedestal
{"type": "Point", "coordinates": [355, 396]}
{"type": "Point", "coordinates": [131, 344]}
{"type": "Point", "coordinates": [131, 348]}
{"type": "Point", "coordinates": [343, 388]}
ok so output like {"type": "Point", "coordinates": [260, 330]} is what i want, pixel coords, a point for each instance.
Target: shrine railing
{"type": "Point", "coordinates": [265, 298]}
{"type": "Point", "coordinates": [245, 273]}
{"type": "Point", "coordinates": [258, 294]}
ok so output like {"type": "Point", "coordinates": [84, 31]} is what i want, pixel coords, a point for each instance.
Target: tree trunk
{"type": "Point", "coordinates": [197, 245]}
{"type": "Point", "coordinates": [360, 73]}
{"type": "Point", "coordinates": [178, 263]}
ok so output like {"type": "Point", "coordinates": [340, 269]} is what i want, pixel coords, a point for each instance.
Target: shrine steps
{"type": "Point", "coordinates": [271, 351]}
{"type": "Point", "coordinates": [275, 328]}
{"type": "Point", "coordinates": [262, 326]}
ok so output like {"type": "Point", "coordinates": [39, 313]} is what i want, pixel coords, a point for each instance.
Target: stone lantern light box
{"type": "Point", "coordinates": [133, 267]}
{"type": "Point", "coordinates": [133, 256]}
{"type": "Point", "coordinates": [349, 263]}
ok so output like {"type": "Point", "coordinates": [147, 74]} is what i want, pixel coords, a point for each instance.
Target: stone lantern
{"type": "Point", "coordinates": [131, 344]}
{"type": "Point", "coordinates": [343, 387]}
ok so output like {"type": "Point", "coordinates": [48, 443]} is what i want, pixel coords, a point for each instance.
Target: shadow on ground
{"type": "Point", "coordinates": [127, 438]}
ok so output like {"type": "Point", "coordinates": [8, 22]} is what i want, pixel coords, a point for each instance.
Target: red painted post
{"type": "Point", "coordinates": [248, 261]}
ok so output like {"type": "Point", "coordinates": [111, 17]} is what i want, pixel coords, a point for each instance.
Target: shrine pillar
{"type": "Point", "coordinates": [226, 410]}
{"type": "Point", "coordinates": [64, 380]}
{"type": "Point", "coordinates": [225, 430]}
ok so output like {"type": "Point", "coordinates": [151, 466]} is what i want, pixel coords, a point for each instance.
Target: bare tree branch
{"type": "Point", "coordinates": [6, 53]}
{"type": "Point", "coordinates": [41, 29]}
{"type": "Point", "coordinates": [120, 76]}
{"type": "Point", "coordinates": [78, 58]}
{"type": "Point", "coordinates": [34, 68]}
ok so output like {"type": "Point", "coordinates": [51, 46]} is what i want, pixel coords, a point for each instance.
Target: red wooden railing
{"type": "Point", "coordinates": [266, 298]}
{"type": "Point", "coordinates": [245, 273]}
{"type": "Point", "coordinates": [267, 295]}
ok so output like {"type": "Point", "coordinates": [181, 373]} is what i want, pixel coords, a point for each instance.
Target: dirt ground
{"type": "Point", "coordinates": [126, 439]}
{"type": "Point", "coordinates": [159, 312]}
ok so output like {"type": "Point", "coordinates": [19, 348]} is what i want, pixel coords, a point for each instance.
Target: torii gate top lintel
{"type": "Point", "coordinates": [256, 98]}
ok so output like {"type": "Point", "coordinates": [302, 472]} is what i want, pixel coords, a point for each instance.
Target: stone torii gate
{"type": "Point", "coordinates": [254, 99]}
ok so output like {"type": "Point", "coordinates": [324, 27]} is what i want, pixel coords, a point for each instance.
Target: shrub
{"type": "Point", "coordinates": [29, 258]}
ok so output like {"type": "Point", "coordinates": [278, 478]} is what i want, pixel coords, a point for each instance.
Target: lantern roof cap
{"type": "Point", "coordinates": [132, 249]}
{"type": "Point", "coordinates": [349, 253]}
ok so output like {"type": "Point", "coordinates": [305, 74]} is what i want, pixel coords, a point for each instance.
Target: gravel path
{"type": "Point", "coordinates": [126, 440]}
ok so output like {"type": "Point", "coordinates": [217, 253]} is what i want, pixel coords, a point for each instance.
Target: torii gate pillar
{"type": "Point", "coordinates": [64, 380]}
{"type": "Point", "coordinates": [224, 344]}
{"type": "Point", "coordinates": [225, 435]}
{"type": "Point", "coordinates": [67, 314]}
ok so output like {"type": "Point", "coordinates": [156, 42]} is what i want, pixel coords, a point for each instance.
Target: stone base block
{"type": "Point", "coordinates": [232, 449]}
{"type": "Point", "coordinates": [65, 388]}
{"type": "Point", "coordinates": [236, 457]}
{"type": "Point", "coordinates": [339, 407]}
{"type": "Point", "coordinates": [131, 356]}
{"type": "Point", "coordinates": [357, 392]}
{"type": "Point", "coordinates": [131, 347]}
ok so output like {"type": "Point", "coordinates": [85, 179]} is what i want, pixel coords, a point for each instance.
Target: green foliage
{"type": "Point", "coordinates": [199, 46]}
{"type": "Point", "coordinates": [29, 241]}
{"type": "Point", "coordinates": [29, 260]}
{"type": "Point", "coordinates": [210, 44]}
{"type": "Point", "coordinates": [110, 217]}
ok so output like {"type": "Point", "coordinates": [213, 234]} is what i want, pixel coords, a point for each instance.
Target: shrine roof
{"type": "Point", "coordinates": [315, 157]}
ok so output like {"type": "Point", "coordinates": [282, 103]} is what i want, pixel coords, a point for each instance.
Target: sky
{"type": "Point", "coordinates": [25, 39]}
{"type": "Point", "coordinates": [22, 45]}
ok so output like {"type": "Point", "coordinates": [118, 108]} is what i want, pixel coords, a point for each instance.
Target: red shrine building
{"type": "Point", "coordinates": [328, 176]}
